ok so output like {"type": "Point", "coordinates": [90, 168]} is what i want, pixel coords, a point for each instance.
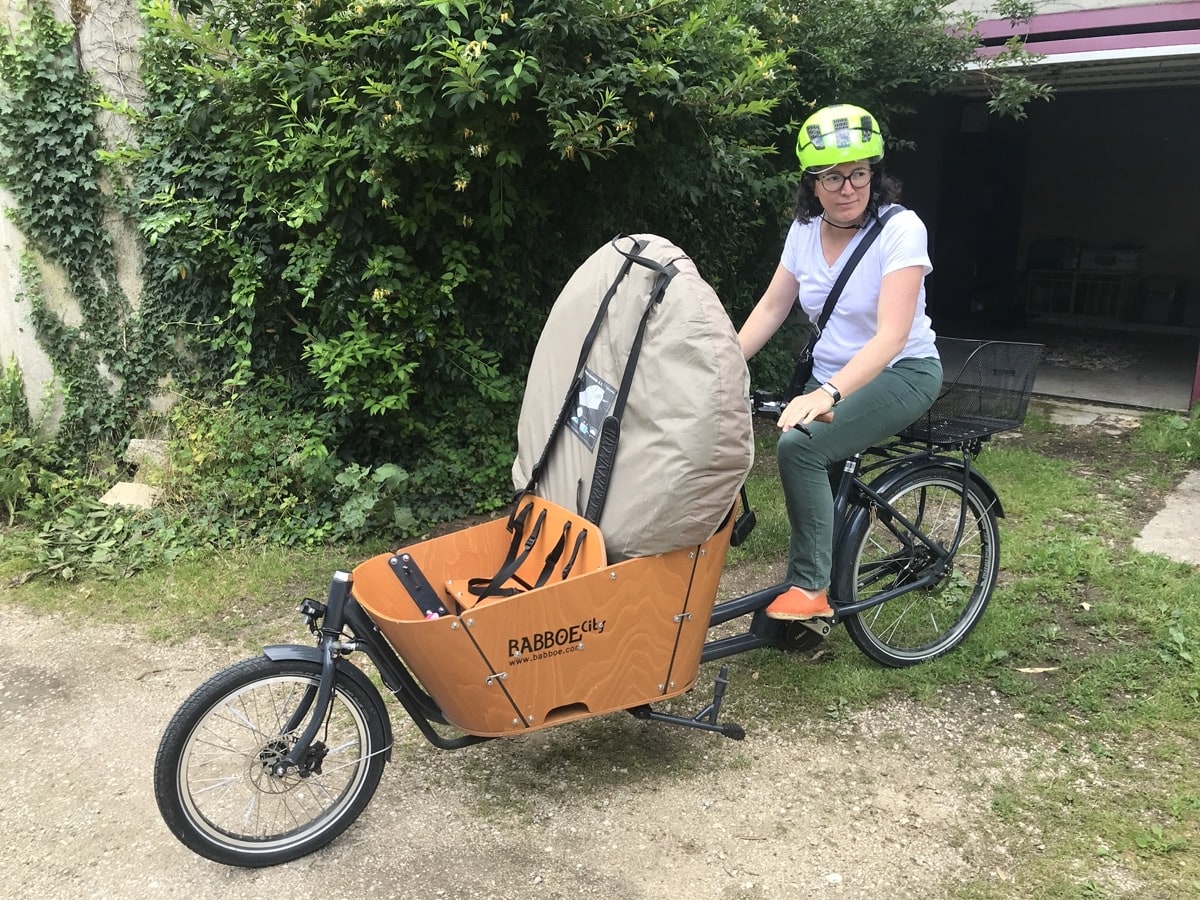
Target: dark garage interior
{"type": "Point", "coordinates": [1075, 227]}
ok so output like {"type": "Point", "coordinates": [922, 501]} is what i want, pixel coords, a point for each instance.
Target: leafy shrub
{"type": "Point", "coordinates": [391, 194]}
{"type": "Point", "coordinates": [91, 538]}
{"type": "Point", "coordinates": [1172, 433]}
{"type": "Point", "coordinates": [248, 468]}
{"type": "Point", "coordinates": [14, 408]}
{"type": "Point", "coordinates": [38, 475]}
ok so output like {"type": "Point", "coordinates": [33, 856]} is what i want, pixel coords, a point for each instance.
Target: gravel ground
{"type": "Point", "coordinates": [891, 801]}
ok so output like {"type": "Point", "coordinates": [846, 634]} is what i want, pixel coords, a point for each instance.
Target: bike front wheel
{"type": "Point", "coordinates": [880, 554]}
{"type": "Point", "coordinates": [213, 777]}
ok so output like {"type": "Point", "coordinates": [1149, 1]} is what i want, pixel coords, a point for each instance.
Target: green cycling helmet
{"type": "Point", "coordinates": [838, 134]}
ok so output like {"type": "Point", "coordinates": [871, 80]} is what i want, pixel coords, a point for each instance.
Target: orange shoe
{"type": "Point", "coordinates": [800, 603]}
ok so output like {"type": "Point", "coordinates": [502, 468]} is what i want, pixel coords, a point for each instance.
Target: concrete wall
{"type": "Point", "coordinates": [16, 333]}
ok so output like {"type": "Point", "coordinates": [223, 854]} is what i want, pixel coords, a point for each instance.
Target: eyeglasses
{"type": "Point", "coordinates": [833, 181]}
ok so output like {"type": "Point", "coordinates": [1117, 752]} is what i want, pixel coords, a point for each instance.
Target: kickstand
{"type": "Point", "coordinates": [705, 720]}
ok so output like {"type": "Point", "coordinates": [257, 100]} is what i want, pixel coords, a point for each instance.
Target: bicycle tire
{"type": "Point", "coordinates": [878, 553]}
{"type": "Point", "coordinates": [212, 778]}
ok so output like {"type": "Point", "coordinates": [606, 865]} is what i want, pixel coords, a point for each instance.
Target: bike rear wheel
{"type": "Point", "coordinates": [879, 554]}
{"type": "Point", "coordinates": [212, 775]}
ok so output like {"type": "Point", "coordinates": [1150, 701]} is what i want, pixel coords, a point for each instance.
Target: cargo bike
{"type": "Point", "coordinates": [525, 622]}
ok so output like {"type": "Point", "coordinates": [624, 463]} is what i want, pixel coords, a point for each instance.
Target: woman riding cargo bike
{"type": "Point", "coordinates": [856, 264]}
{"type": "Point", "coordinates": [598, 592]}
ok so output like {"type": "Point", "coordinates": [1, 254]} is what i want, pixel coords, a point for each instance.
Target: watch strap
{"type": "Point", "coordinates": [833, 392]}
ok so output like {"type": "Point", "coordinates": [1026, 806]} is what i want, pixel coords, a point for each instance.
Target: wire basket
{"type": "Point", "coordinates": [985, 389]}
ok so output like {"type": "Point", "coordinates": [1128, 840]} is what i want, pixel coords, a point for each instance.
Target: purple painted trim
{"type": "Point", "coordinates": [1195, 386]}
{"type": "Point", "coordinates": [1108, 42]}
{"type": "Point", "coordinates": [1113, 17]}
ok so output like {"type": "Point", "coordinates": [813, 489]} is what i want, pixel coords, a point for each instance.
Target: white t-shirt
{"type": "Point", "coordinates": [904, 242]}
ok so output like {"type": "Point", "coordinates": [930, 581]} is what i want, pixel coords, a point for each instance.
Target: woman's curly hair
{"type": "Point", "coordinates": [884, 189]}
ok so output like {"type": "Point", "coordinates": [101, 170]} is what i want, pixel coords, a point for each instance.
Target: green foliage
{"type": "Point", "coordinates": [91, 538]}
{"type": "Point", "coordinates": [248, 469]}
{"type": "Point", "coordinates": [14, 408]}
{"type": "Point", "coordinates": [31, 468]}
{"type": "Point", "coordinates": [1172, 433]}
{"type": "Point", "coordinates": [45, 145]}
{"type": "Point", "coordinates": [882, 54]}
{"type": "Point", "coordinates": [15, 445]}
{"type": "Point", "coordinates": [398, 190]}
{"type": "Point", "coordinates": [15, 471]}
{"type": "Point", "coordinates": [1011, 87]}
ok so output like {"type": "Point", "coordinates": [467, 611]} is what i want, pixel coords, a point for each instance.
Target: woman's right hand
{"type": "Point", "coordinates": [815, 406]}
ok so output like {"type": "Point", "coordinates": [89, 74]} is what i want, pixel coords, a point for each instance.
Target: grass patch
{"type": "Point", "coordinates": [242, 597]}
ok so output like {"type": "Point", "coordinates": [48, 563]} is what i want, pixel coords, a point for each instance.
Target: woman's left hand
{"type": "Point", "coordinates": [814, 406]}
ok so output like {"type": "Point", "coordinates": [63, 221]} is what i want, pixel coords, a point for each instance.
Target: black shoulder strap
{"type": "Point", "coordinates": [836, 291]}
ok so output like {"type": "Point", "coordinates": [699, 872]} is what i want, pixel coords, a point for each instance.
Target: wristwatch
{"type": "Point", "coordinates": [833, 392]}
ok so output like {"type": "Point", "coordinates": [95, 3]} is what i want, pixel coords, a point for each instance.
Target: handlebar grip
{"type": "Point", "coordinates": [769, 406]}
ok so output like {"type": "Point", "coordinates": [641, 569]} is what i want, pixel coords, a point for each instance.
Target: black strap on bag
{"type": "Point", "coordinates": [610, 431]}
{"type": "Point", "coordinates": [576, 384]}
{"type": "Point", "coordinates": [804, 362]}
{"type": "Point", "coordinates": [745, 522]}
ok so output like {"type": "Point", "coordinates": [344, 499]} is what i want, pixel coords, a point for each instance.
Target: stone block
{"type": "Point", "coordinates": [129, 493]}
{"type": "Point", "coordinates": [141, 451]}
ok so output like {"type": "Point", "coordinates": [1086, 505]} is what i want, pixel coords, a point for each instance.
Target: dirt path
{"type": "Point", "coordinates": [893, 801]}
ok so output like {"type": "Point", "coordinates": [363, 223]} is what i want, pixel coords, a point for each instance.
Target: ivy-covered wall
{"type": "Point", "coordinates": [105, 37]}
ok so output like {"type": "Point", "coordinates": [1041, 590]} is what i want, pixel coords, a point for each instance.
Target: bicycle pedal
{"type": "Point", "coordinates": [821, 627]}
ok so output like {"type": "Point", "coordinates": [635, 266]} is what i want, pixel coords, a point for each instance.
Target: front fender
{"type": "Point", "coordinates": [345, 669]}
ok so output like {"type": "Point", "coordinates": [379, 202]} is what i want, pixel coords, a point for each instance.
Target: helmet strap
{"type": "Point", "coordinates": [844, 227]}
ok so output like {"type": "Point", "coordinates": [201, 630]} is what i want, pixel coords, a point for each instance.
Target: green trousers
{"type": "Point", "coordinates": [893, 400]}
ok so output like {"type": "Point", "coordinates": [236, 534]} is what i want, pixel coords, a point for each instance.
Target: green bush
{"type": "Point", "coordinates": [386, 197]}
{"type": "Point", "coordinates": [1172, 433]}
{"type": "Point", "coordinates": [249, 468]}
{"type": "Point", "coordinates": [15, 446]}
{"type": "Point", "coordinates": [37, 475]}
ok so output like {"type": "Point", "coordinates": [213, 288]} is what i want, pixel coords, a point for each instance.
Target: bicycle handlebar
{"type": "Point", "coordinates": [765, 405]}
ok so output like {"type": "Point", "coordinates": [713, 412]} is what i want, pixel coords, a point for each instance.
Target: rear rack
{"type": "Point", "coordinates": [986, 387]}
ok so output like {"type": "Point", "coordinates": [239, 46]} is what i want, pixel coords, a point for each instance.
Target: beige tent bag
{"type": "Point", "coordinates": [636, 413]}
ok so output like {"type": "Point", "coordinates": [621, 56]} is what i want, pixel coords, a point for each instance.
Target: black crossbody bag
{"type": "Point", "coordinates": [804, 362]}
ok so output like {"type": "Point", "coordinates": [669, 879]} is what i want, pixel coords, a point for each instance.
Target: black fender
{"type": "Point", "coordinates": [892, 475]}
{"type": "Point", "coordinates": [345, 669]}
